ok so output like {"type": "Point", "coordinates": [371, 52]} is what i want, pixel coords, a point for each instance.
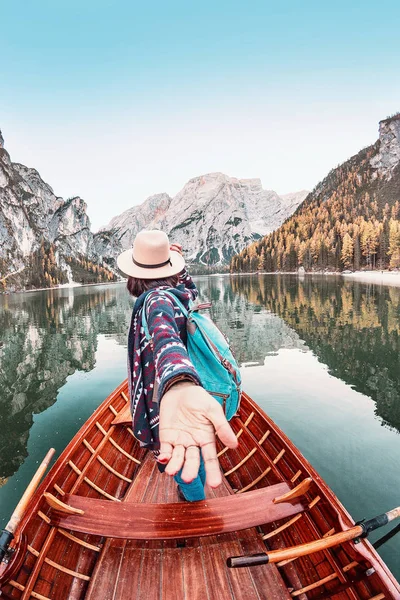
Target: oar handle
{"type": "Point", "coordinates": [393, 514]}
{"type": "Point", "coordinates": [295, 551]}
{"type": "Point", "coordinates": [358, 531]}
{"type": "Point", "coordinates": [379, 521]}
{"type": "Point", "coordinates": [27, 495]}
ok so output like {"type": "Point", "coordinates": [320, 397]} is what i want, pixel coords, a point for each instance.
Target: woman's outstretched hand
{"type": "Point", "coordinates": [189, 420]}
{"type": "Point", "coordinates": [176, 248]}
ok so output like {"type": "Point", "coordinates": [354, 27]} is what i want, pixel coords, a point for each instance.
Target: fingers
{"type": "Point", "coordinates": [222, 428]}
{"type": "Point", "coordinates": [165, 452]}
{"type": "Point", "coordinates": [192, 463]}
{"type": "Point", "coordinates": [211, 463]}
{"type": "Point", "coordinates": [176, 248]}
{"type": "Point", "coordinates": [176, 461]}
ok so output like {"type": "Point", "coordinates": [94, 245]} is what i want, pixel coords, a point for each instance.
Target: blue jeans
{"type": "Point", "coordinates": [194, 490]}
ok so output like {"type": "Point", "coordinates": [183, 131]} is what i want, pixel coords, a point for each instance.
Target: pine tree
{"type": "Point", "coordinates": [394, 243]}
{"type": "Point", "coordinates": [369, 243]}
{"type": "Point", "coordinates": [347, 251]}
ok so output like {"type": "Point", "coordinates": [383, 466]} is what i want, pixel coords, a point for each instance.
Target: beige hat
{"type": "Point", "coordinates": [150, 257]}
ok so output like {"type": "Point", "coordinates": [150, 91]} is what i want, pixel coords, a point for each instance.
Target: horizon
{"type": "Point", "coordinates": [116, 102]}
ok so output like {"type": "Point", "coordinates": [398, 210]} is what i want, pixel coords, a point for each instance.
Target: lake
{"type": "Point", "coordinates": [320, 355]}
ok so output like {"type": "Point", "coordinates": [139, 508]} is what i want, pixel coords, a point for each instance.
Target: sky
{"type": "Point", "coordinates": [117, 100]}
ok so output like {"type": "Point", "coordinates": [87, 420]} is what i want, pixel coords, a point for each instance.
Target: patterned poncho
{"type": "Point", "coordinates": [153, 366]}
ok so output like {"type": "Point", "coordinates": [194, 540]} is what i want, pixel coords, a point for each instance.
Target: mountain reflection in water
{"type": "Point", "coordinates": [47, 336]}
{"type": "Point", "coordinates": [351, 327]}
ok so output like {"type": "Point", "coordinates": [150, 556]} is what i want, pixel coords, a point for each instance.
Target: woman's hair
{"type": "Point", "coordinates": [136, 286]}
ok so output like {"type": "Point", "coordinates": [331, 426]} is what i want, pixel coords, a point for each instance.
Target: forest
{"type": "Point", "coordinates": [42, 270]}
{"type": "Point", "coordinates": [351, 220]}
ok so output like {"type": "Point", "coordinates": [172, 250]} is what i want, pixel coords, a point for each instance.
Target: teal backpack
{"type": "Point", "coordinates": [210, 353]}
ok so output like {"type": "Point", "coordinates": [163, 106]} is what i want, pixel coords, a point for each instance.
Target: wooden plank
{"type": "Point", "coordinates": [177, 520]}
{"type": "Point", "coordinates": [216, 572]}
{"type": "Point", "coordinates": [123, 417]}
{"type": "Point", "coordinates": [255, 481]}
{"type": "Point", "coordinates": [127, 581]}
{"type": "Point", "coordinates": [138, 487]}
{"type": "Point", "coordinates": [150, 581]}
{"type": "Point", "coordinates": [172, 575]}
{"type": "Point", "coordinates": [109, 565]}
{"type": "Point", "coordinates": [194, 579]}
{"type": "Point", "coordinates": [79, 541]}
{"type": "Point", "coordinates": [21, 588]}
{"type": "Point", "coordinates": [124, 573]}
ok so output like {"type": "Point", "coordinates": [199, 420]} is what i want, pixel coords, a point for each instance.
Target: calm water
{"type": "Point", "coordinates": [320, 355]}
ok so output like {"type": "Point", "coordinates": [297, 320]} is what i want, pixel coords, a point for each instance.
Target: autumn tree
{"type": "Point", "coordinates": [394, 243]}
{"type": "Point", "coordinates": [347, 251]}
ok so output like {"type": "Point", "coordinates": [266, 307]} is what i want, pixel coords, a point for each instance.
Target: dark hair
{"type": "Point", "coordinates": [136, 286]}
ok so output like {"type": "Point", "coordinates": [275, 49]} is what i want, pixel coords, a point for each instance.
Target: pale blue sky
{"type": "Point", "coordinates": [114, 101]}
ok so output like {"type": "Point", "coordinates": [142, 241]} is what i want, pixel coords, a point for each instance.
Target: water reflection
{"type": "Point", "coordinates": [254, 332]}
{"type": "Point", "coordinates": [353, 328]}
{"type": "Point", "coordinates": [45, 337]}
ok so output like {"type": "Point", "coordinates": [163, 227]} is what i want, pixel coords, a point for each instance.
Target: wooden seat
{"type": "Point", "coordinates": [131, 520]}
{"type": "Point", "coordinates": [142, 569]}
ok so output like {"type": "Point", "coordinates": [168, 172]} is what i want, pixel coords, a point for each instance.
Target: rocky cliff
{"type": "Point", "coordinates": [213, 217]}
{"type": "Point", "coordinates": [388, 156]}
{"type": "Point", "coordinates": [43, 238]}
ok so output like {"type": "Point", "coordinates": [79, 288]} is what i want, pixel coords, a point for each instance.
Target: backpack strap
{"type": "Point", "coordinates": [172, 297]}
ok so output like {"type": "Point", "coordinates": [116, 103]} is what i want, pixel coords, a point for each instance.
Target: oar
{"type": "Point", "coordinates": [8, 533]}
{"type": "Point", "coordinates": [361, 530]}
{"type": "Point", "coordinates": [385, 538]}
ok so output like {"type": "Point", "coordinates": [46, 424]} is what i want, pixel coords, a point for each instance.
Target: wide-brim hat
{"type": "Point", "coordinates": [150, 257]}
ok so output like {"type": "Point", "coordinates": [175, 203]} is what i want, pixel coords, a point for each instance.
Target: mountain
{"type": "Point", "coordinates": [44, 239]}
{"type": "Point", "coordinates": [351, 220]}
{"type": "Point", "coordinates": [214, 216]}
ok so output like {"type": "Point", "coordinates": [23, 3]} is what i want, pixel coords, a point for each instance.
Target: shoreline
{"type": "Point", "coordinates": [391, 278]}
{"type": "Point", "coordinates": [66, 286]}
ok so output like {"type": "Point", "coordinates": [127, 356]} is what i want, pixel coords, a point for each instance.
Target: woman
{"type": "Point", "coordinates": [172, 414]}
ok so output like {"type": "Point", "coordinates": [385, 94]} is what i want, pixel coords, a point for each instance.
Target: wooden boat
{"type": "Point", "coordinates": [106, 524]}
